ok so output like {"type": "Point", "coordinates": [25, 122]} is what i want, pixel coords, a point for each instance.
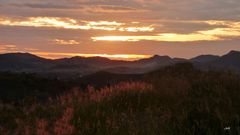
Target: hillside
{"type": "Point", "coordinates": [80, 66]}
{"type": "Point", "coordinates": [176, 100]}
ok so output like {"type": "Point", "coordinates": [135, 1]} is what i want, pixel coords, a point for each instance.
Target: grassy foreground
{"type": "Point", "coordinates": [177, 100]}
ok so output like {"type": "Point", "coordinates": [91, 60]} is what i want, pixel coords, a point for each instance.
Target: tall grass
{"type": "Point", "coordinates": [172, 101]}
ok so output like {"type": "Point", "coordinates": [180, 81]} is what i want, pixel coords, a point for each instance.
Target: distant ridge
{"type": "Point", "coordinates": [26, 62]}
{"type": "Point", "coordinates": [205, 58]}
{"type": "Point", "coordinates": [229, 61]}
{"type": "Point", "coordinates": [23, 62]}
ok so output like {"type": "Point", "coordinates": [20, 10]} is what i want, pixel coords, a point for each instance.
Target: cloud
{"type": "Point", "coordinates": [10, 48]}
{"type": "Point", "coordinates": [208, 35]}
{"type": "Point", "coordinates": [48, 6]}
{"type": "Point", "coordinates": [30, 49]}
{"type": "Point", "coordinates": [168, 9]}
{"type": "Point", "coordinates": [112, 9]}
{"type": "Point", "coordinates": [95, 9]}
{"type": "Point", "coordinates": [84, 6]}
{"type": "Point", "coordinates": [167, 37]}
{"type": "Point", "coordinates": [67, 23]}
{"type": "Point", "coordinates": [196, 24]}
{"type": "Point", "coordinates": [228, 30]}
{"type": "Point", "coordinates": [7, 48]}
{"type": "Point", "coordinates": [198, 9]}
{"type": "Point", "coordinates": [65, 42]}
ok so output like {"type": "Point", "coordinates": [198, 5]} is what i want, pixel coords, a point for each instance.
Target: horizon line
{"type": "Point", "coordinates": [120, 57]}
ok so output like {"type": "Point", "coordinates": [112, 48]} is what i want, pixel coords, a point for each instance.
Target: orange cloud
{"type": "Point", "coordinates": [7, 48]}
{"type": "Point", "coordinates": [229, 29]}
{"type": "Point", "coordinates": [67, 23]}
{"type": "Point", "coordinates": [66, 42]}
{"type": "Point", "coordinates": [30, 49]}
{"type": "Point", "coordinates": [168, 37]}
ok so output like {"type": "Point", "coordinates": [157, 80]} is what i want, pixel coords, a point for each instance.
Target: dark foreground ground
{"type": "Point", "coordinates": [176, 100]}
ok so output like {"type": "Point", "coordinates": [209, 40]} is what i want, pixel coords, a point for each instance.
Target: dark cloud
{"type": "Point", "coordinates": [186, 27]}
{"type": "Point", "coordinates": [161, 9]}
{"type": "Point", "coordinates": [49, 6]}
{"type": "Point", "coordinates": [84, 6]}
{"type": "Point", "coordinates": [111, 9]}
{"type": "Point", "coordinates": [121, 8]}
{"type": "Point", "coordinates": [196, 9]}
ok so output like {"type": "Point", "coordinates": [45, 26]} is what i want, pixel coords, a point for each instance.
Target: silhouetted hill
{"type": "Point", "coordinates": [23, 62]}
{"type": "Point", "coordinates": [79, 66]}
{"type": "Point", "coordinates": [155, 58]}
{"type": "Point", "coordinates": [229, 61]}
{"type": "Point", "coordinates": [146, 65]}
{"type": "Point", "coordinates": [205, 58]}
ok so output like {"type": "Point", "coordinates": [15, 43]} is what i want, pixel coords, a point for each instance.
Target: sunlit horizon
{"type": "Point", "coordinates": [116, 29]}
{"type": "Point", "coordinates": [49, 55]}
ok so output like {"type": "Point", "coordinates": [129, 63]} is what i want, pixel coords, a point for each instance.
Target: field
{"type": "Point", "coordinates": [176, 100]}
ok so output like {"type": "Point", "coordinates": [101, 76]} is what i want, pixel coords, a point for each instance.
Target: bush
{"type": "Point", "coordinates": [177, 100]}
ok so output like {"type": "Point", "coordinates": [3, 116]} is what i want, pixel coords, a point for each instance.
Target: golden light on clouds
{"type": "Point", "coordinates": [7, 48]}
{"type": "Point", "coordinates": [228, 30]}
{"type": "Point", "coordinates": [67, 23]}
{"type": "Point", "coordinates": [42, 22]}
{"type": "Point", "coordinates": [224, 30]}
{"type": "Point", "coordinates": [10, 48]}
{"type": "Point", "coordinates": [91, 23]}
{"type": "Point", "coordinates": [65, 42]}
{"type": "Point", "coordinates": [222, 22]}
{"type": "Point", "coordinates": [137, 29]}
{"type": "Point", "coordinates": [168, 37]}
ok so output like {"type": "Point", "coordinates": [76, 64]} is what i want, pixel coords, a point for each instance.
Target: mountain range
{"type": "Point", "coordinates": [79, 66]}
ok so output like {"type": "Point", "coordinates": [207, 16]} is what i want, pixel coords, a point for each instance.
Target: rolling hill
{"type": "Point", "coordinates": [80, 66]}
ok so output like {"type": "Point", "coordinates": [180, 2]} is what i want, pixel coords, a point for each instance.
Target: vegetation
{"type": "Point", "coordinates": [176, 100]}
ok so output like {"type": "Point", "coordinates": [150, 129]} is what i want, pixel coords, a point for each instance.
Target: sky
{"type": "Point", "coordinates": [119, 29]}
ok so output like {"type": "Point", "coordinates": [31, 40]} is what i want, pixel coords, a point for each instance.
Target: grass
{"type": "Point", "coordinates": [177, 100]}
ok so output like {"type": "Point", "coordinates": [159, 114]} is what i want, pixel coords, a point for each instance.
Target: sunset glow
{"type": "Point", "coordinates": [128, 57]}
{"type": "Point", "coordinates": [206, 35]}
{"type": "Point", "coordinates": [168, 37]}
{"type": "Point", "coordinates": [176, 28]}
{"type": "Point", "coordinates": [67, 23]}
{"type": "Point", "coordinates": [111, 67]}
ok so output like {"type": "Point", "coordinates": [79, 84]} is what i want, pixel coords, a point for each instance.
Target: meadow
{"type": "Point", "coordinates": [176, 100]}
